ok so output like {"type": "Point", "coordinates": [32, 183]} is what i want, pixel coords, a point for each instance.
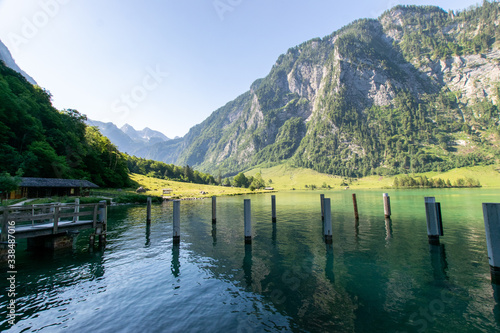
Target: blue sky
{"type": "Point", "coordinates": [165, 64]}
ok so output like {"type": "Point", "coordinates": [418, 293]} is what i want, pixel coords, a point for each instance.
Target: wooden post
{"type": "Point", "coordinates": [434, 222]}
{"type": "Point", "coordinates": [214, 209]}
{"type": "Point", "coordinates": [51, 211]}
{"type": "Point", "coordinates": [355, 204]}
{"type": "Point", "coordinates": [103, 218]}
{"type": "Point", "coordinates": [328, 221]}
{"type": "Point", "coordinates": [92, 241]}
{"type": "Point", "coordinates": [148, 211]}
{"type": "Point", "coordinates": [387, 205]}
{"type": "Point", "coordinates": [94, 218]}
{"type": "Point", "coordinates": [322, 199]}
{"type": "Point", "coordinates": [177, 222]}
{"type": "Point", "coordinates": [102, 211]}
{"type": "Point", "coordinates": [491, 214]}
{"type": "Point", "coordinates": [273, 208]}
{"type": "Point", "coordinates": [77, 210]}
{"type": "Point", "coordinates": [248, 221]}
{"type": "Point", "coordinates": [56, 219]}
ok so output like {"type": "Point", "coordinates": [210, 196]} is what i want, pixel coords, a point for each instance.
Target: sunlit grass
{"type": "Point", "coordinates": [182, 190]}
{"type": "Point", "coordinates": [284, 177]}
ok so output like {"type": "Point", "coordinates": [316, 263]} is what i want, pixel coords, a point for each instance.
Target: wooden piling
{"type": "Point", "coordinates": [433, 217]}
{"type": "Point", "coordinates": [248, 221]}
{"type": "Point", "coordinates": [387, 205]}
{"type": "Point", "coordinates": [148, 211]}
{"type": "Point", "coordinates": [102, 211]}
{"type": "Point", "coordinates": [328, 221]}
{"type": "Point", "coordinates": [491, 214]}
{"type": "Point", "coordinates": [273, 207]}
{"type": "Point", "coordinates": [214, 209]}
{"type": "Point", "coordinates": [322, 198]}
{"type": "Point", "coordinates": [355, 204]}
{"type": "Point", "coordinates": [177, 222]}
{"type": "Point", "coordinates": [92, 241]}
{"type": "Point", "coordinates": [103, 218]}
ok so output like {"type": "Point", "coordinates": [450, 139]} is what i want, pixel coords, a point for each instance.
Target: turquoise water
{"type": "Point", "coordinates": [378, 275]}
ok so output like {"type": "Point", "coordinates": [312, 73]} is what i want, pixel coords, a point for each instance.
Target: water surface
{"type": "Point", "coordinates": [379, 275]}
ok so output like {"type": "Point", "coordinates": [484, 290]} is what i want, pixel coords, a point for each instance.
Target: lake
{"type": "Point", "coordinates": [378, 275]}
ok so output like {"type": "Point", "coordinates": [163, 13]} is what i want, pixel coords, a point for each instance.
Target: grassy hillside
{"type": "Point", "coordinates": [285, 177]}
{"type": "Point", "coordinates": [182, 190]}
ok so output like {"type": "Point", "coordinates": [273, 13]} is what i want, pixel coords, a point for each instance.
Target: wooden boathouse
{"type": "Point", "coordinates": [51, 187]}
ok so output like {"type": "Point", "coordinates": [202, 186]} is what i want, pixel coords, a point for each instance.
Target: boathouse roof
{"type": "Point", "coordinates": [55, 182]}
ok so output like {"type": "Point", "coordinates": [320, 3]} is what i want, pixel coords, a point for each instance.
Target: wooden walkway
{"type": "Point", "coordinates": [43, 220]}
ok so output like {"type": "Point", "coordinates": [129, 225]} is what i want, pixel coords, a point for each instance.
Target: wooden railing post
{"type": "Point", "coordinates": [56, 219]}
{"type": "Point", "coordinates": [77, 210]}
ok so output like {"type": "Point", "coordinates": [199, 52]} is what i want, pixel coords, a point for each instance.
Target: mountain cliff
{"type": "Point", "coordinates": [414, 90]}
{"type": "Point", "coordinates": [6, 57]}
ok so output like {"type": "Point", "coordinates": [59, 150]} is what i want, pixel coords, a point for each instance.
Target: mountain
{"type": "Point", "coordinates": [415, 90]}
{"type": "Point", "coordinates": [6, 57]}
{"type": "Point", "coordinates": [128, 139]}
{"type": "Point", "coordinates": [146, 135]}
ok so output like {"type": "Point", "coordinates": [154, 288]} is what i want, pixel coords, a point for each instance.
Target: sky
{"type": "Point", "coordinates": [166, 64]}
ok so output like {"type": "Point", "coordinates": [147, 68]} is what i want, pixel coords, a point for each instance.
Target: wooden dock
{"type": "Point", "coordinates": [39, 223]}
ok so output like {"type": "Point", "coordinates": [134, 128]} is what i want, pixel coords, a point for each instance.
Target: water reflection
{"type": "Point", "coordinates": [439, 262]}
{"type": "Point", "coordinates": [330, 275]}
{"type": "Point", "coordinates": [247, 265]}
{"type": "Point", "coordinates": [356, 229]}
{"type": "Point", "coordinates": [148, 235]}
{"type": "Point", "coordinates": [176, 265]}
{"type": "Point", "coordinates": [214, 234]}
{"type": "Point", "coordinates": [388, 228]}
{"type": "Point", "coordinates": [496, 308]}
{"type": "Point", "coordinates": [274, 235]}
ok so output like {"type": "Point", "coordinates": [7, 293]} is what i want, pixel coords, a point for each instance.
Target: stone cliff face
{"type": "Point", "coordinates": [318, 87]}
{"type": "Point", "coordinates": [6, 57]}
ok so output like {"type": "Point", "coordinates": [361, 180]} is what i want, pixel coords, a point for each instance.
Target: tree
{"type": "Point", "coordinates": [9, 183]}
{"type": "Point", "coordinates": [258, 182]}
{"type": "Point", "coordinates": [188, 173]}
{"type": "Point", "coordinates": [240, 180]}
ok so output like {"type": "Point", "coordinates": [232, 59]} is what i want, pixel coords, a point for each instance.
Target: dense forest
{"type": "Point", "coordinates": [36, 140]}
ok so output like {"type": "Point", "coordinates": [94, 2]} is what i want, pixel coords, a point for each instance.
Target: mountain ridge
{"type": "Point", "coordinates": [128, 139]}
{"type": "Point", "coordinates": [325, 103]}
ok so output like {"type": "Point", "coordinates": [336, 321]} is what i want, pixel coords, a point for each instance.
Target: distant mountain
{"type": "Point", "coordinates": [415, 90]}
{"type": "Point", "coordinates": [128, 139]}
{"type": "Point", "coordinates": [6, 57]}
{"type": "Point", "coordinates": [146, 135]}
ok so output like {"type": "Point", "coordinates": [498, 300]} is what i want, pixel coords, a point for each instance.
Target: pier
{"type": "Point", "coordinates": [53, 225]}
